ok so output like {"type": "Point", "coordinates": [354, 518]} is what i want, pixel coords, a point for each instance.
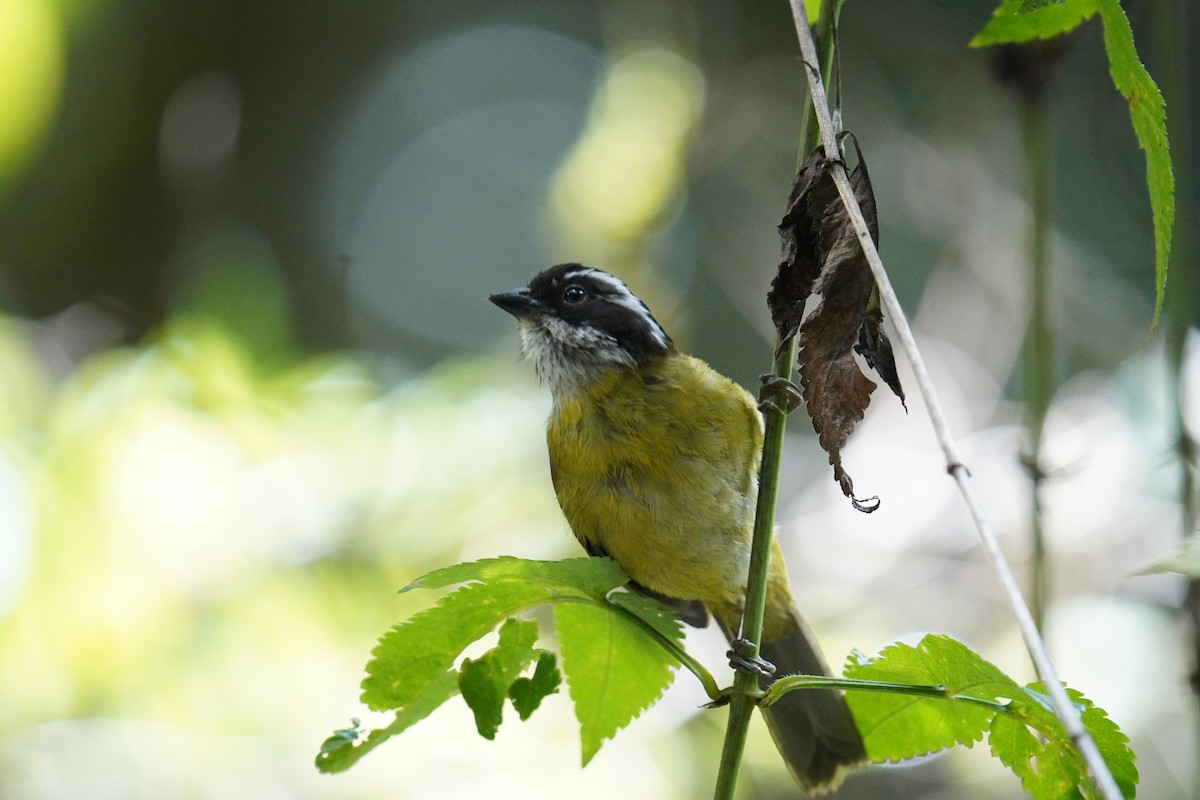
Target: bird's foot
{"type": "Point", "coordinates": [771, 386]}
{"type": "Point", "coordinates": [744, 658]}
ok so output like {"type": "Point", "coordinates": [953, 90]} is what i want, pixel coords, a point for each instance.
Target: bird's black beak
{"type": "Point", "coordinates": [518, 302]}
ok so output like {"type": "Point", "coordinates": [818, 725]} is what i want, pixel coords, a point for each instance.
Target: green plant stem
{"type": "Point", "coordinates": [745, 686]}
{"type": "Point", "coordinates": [792, 683]}
{"type": "Point", "coordinates": [1039, 350]}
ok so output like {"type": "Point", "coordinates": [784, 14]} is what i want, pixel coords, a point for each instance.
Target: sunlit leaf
{"type": "Point", "coordinates": [412, 663]}
{"type": "Point", "coordinates": [657, 615]}
{"type": "Point", "coordinates": [1043, 773]}
{"type": "Point", "coordinates": [1112, 743]}
{"type": "Point", "coordinates": [527, 693]}
{"type": "Point", "coordinates": [484, 682]}
{"type": "Point", "coordinates": [613, 670]}
{"type": "Point", "coordinates": [345, 747]}
{"type": "Point", "coordinates": [897, 726]}
{"type": "Point", "coordinates": [416, 653]}
{"type": "Point", "coordinates": [977, 698]}
{"type": "Point", "coordinates": [591, 577]}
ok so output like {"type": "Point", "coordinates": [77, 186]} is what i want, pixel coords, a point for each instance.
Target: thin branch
{"type": "Point", "coordinates": [1063, 708]}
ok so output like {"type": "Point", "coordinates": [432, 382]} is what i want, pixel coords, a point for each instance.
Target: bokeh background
{"type": "Point", "coordinates": [250, 384]}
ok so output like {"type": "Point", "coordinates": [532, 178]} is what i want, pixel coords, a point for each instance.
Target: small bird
{"type": "Point", "coordinates": [654, 458]}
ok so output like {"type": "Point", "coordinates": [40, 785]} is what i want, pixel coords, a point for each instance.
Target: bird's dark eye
{"type": "Point", "coordinates": [574, 294]}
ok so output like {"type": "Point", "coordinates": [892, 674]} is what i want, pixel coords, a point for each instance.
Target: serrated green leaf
{"type": "Point", "coordinates": [896, 727]}
{"type": "Point", "coordinates": [411, 669]}
{"type": "Point", "coordinates": [1147, 110]}
{"type": "Point", "coordinates": [514, 651]}
{"type": "Point", "coordinates": [1046, 772]}
{"type": "Point", "coordinates": [1024, 733]}
{"type": "Point", "coordinates": [588, 577]}
{"type": "Point", "coordinates": [340, 739]}
{"type": "Point", "coordinates": [614, 670]}
{"type": "Point", "coordinates": [344, 748]}
{"type": "Point", "coordinates": [1017, 21]}
{"type": "Point", "coordinates": [484, 682]}
{"type": "Point", "coordinates": [479, 688]}
{"type": "Point", "coordinates": [527, 693]}
{"type": "Point", "coordinates": [652, 612]}
{"type": "Point", "coordinates": [412, 655]}
{"type": "Point", "coordinates": [1112, 743]}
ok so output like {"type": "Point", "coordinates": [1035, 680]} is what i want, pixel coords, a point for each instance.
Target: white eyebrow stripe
{"type": "Point", "coordinates": [620, 295]}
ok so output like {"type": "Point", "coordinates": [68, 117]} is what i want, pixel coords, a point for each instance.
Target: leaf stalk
{"type": "Point", "coordinates": [793, 683]}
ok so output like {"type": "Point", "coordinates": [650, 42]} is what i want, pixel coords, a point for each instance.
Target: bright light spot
{"type": "Point", "coordinates": [31, 78]}
{"type": "Point", "coordinates": [16, 533]}
{"type": "Point", "coordinates": [170, 479]}
{"type": "Point", "coordinates": [626, 170]}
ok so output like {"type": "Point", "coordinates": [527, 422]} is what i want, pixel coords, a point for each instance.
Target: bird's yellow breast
{"type": "Point", "coordinates": [657, 467]}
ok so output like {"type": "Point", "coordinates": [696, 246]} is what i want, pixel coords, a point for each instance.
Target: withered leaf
{"type": "Point", "coordinates": [800, 254]}
{"type": "Point", "coordinates": [876, 350]}
{"type": "Point", "coordinates": [848, 319]}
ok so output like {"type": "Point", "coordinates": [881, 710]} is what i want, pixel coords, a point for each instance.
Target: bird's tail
{"type": "Point", "coordinates": [812, 728]}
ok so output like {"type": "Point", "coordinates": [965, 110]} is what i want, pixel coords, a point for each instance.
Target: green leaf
{"type": "Point", "coordinates": [418, 651]}
{"type": "Point", "coordinates": [1023, 731]}
{"type": "Point", "coordinates": [527, 693]}
{"type": "Point", "coordinates": [1043, 771]}
{"type": "Point", "coordinates": [618, 666]}
{"type": "Point", "coordinates": [1022, 21]}
{"type": "Point", "coordinates": [589, 577]}
{"type": "Point", "coordinates": [1110, 741]}
{"type": "Point", "coordinates": [484, 682]}
{"type": "Point", "coordinates": [896, 726]}
{"type": "Point", "coordinates": [414, 654]}
{"type": "Point", "coordinates": [652, 612]}
{"type": "Point", "coordinates": [344, 748]}
{"type": "Point", "coordinates": [614, 670]}
{"type": "Point", "coordinates": [477, 683]}
{"type": "Point", "coordinates": [339, 740]}
{"type": "Point", "coordinates": [1147, 109]}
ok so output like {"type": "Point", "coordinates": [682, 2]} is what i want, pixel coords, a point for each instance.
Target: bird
{"type": "Point", "coordinates": [654, 458]}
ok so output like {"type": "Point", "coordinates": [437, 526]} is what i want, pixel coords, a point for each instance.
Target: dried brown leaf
{"type": "Point", "coordinates": [835, 390]}
{"type": "Point", "coordinates": [800, 253]}
{"type": "Point", "coordinates": [876, 350]}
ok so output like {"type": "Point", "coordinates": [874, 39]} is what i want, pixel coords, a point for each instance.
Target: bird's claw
{"type": "Point", "coordinates": [744, 657]}
{"type": "Point", "coordinates": [771, 386]}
